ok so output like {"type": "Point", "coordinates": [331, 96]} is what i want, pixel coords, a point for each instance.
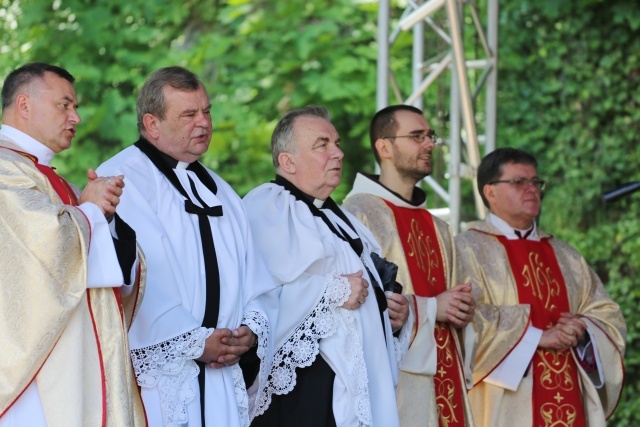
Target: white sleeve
{"type": "Point", "coordinates": [510, 372]}
{"type": "Point", "coordinates": [103, 270]}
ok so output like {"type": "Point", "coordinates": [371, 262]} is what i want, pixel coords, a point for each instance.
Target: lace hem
{"type": "Point", "coordinates": [259, 324]}
{"type": "Point", "coordinates": [170, 366]}
{"type": "Point", "coordinates": [401, 343]}
{"type": "Point", "coordinates": [302, 347]}
{"type": "Point", "coordinates": [358, 373]}
{"type": "Point", "coordinates": [242, 399]}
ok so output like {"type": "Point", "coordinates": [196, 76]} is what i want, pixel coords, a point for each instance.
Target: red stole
{"type": "Point", "coordinates": [427, 270]}
{"type": "Point", "coordinates": [556, 387]}
{"type": "Point", "coordinates": [62, 187]}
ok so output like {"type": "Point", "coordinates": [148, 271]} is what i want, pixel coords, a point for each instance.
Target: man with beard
{"type": "Point", "coordinates": [432, 388]}
{"type": "Point", "coordinates": [335, 357]}
{"type": "Point", "coordinates": [208, 298]}
{"type": "Point", "coordinates": [554, 340]}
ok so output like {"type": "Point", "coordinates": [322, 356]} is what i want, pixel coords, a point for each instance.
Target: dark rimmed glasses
{"type": "Point", "coordinates": [418, 137]}
{"type": "Point", "coordinates": [522, 183]}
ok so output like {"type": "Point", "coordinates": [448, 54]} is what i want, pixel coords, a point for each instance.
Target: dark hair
{"type": "Point", "coordinates": [23, 76]}
{"type": "Point", "coordinates": [384, 123]}
{"type": "Point", "coordinates": [282, 137]}
{"type": "Point", "coordinates": [490, 168]}
{"type": "Point", "coordinates": [151, 99]}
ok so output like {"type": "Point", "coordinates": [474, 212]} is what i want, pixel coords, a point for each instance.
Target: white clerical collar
{"type": "Point", "coordinates": [28, 144]}
{"type": "Point", "coordinates": [366, 185]}
{"type": "Point", "coordinates": [318, 203]}
{"type": "Point", "coordinates": [182, 165]}
{"type": "Point", "coordinates": [509, 231]}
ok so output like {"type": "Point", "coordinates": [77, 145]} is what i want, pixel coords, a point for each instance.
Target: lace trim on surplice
{"type": "Point", "coordinates": [302, 347]}
{"type": "Point", "coordinates": [259, 324]}
{"type": "Point", "coordinates": [170, 366]}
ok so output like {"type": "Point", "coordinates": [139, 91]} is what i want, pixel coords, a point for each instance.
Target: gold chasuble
{"type": "Point", "coordinates": [529, 283]}
{"type": "Point", "coordinates": [426, 268]}
{"type": "Point", "coordinates": [70, 340]}
{"type": "Point", "coordinates": [539, 281]}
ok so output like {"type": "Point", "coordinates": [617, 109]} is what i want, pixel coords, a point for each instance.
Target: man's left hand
{"type": "Point", "coordinates": [398, 307]}
{"type": "Point", "coordinates": [243, 339]}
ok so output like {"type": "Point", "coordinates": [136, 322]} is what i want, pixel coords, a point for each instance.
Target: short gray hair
{"type": "Point", "coordinates": [151, 99]}
{"type": "Point", "coordinates": [282, 137]}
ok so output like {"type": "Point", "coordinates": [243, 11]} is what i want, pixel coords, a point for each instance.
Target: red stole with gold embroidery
{"type": "Point", "coordinates": [426, 268]}
{"type": "Point", "coordinates": [556, 388]}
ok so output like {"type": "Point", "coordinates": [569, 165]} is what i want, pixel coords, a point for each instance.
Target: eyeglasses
{"type": "Point", "coordinates": [417, 137]}
{"type": "Point", "coordinates": [522, 183]}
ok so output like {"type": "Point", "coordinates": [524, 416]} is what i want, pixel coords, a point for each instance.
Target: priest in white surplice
{"type": "Point", "coordinates": [207, 304]}
{"type": "Point", "coordinates": [68, 267]}
{"type": "Point", "coordinates": [336, 356]}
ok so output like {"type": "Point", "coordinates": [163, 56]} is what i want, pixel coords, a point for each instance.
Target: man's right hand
{"type": "Point", "coordinates": [359, 290]}
{"type": "Point", "coordinates": [456, 306]}
{"type": "Point", "coordinates": [103, 192]}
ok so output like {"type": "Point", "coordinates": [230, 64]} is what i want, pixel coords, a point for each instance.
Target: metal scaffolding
{"type": "Point", "coordinates": [463, 141]}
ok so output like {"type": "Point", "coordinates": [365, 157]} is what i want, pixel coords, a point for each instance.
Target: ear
{"type": "Point", "coordinates": [22, 105]}
{"type": "Point", "coordinates": [384, 148]}
{"type": "Point", "coordinates": [489, 193]}
{"type": "Point", "coordinates": [150, 123]}
{"type": "Point", "coordinates": [287, 163]}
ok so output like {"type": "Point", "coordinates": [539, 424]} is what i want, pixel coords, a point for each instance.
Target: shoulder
{"type": "Point", "coordinates": [442, 226]}
{"type": "Point", "coordinates": [371, 210]}
{"type": "Point", "coordinates": [268, 199]}
{"type": "Point", "coordinates": [130, 159]}
{"type": "Point", "coordinates": [473, 235]}
{"type": "Point", "coordinates": [17, 169]}
{"type": "Point", "coordinates": [363, 202]}
{"type": "Point", "coordinates": [563, 248]}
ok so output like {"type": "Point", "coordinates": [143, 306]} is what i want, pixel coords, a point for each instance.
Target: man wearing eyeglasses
{"type": "Point", "coordinates": [432, 388]}
{"type": "Point", "coordinates": [553, 340]}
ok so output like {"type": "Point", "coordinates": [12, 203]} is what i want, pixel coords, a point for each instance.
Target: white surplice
{"type": "Point", "coordinates": [309, 261]}
{"type": "Point", "coordinates": [167, 335]}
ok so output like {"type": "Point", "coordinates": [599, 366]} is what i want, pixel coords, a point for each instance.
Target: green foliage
{"type": "Point", "coordinates": [569, 80]}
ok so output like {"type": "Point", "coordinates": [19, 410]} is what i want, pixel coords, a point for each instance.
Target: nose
{"type": "Point", "coordinates": [74, 117]}
{"type": "Point", "coordinates": [531, 187]}
{"type": "Point", "coordinates": [203, 120]}
{"type": "Point", "coordinates": [337, 153]}
{"type": "Point", "coordinates": [430, 141]}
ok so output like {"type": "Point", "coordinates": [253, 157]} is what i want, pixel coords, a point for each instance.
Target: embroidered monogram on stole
{"type": "Point", "coordinates": [426, 268]}
{"type": "Point", "coordinates": [556, 390]}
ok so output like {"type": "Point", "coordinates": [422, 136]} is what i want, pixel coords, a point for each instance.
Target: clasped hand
{"type": "Point", "coordinates": [224, 347]}
{"type": "Point", "coordinates": [359, 290]}
{"type": "Point", "coordinates": [565, 334]}
{"type": "Point", "coordinates": [456, 306]}
{"type": "Point", "coordinates": [103, 192]}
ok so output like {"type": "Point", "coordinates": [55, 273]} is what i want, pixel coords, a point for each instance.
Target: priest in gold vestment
{"type": "Point", "coordinates": [68, 289]}
{"type": "Point", "coordinates": [552, 341]}
{"type": "Point", "coordinates": [432, 386]}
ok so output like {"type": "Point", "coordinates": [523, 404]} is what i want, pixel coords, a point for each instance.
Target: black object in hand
{"type": "Point", "coordinates": [387, 272]}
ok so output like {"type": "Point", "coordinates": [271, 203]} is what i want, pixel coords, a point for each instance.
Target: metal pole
{"type": "Point", "coordinates": [465, 96]}
{"type": "Point", "coordinates": [418, 58]}
{"type": "Point", "coordinates": [455, 154]}
{"type": "Point", "coordinates": [382, 84]}
{"type": "Point", "coordinates": [492, 80]}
